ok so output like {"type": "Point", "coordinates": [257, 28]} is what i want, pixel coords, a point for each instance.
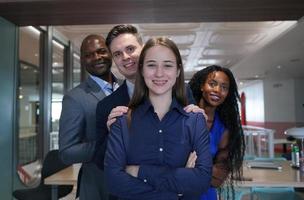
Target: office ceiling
{"type": "Point", "coordinates": [282, 58]}
{"type": "Point", "coordinates": [228, 44]}
{"type": "Point", "coordinates": [232, 33]}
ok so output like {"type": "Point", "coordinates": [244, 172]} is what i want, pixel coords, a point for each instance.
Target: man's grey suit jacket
{"type": "Point", "coordinates": [78, 138]}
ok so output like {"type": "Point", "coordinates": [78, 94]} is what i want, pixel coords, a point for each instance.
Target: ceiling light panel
{"type": "Point", "coordinates": [235, 38]}
{"type": "Point", "coordinates": [213, 51]}
{"type": "Point", "coordinates": [184, 52]}
{"type": "Point", "coordinates": [169, 26]}
{"type": "Point", "coordinates": [181, 39]}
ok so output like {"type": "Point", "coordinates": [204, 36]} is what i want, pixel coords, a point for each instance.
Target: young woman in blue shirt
{"type": "Point", "coordinates": [148, 148]}
{"type": "Point", "coordinates": [215, 90]}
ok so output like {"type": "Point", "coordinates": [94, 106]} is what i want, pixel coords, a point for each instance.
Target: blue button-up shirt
{"type": "Point", "coordinates": [105, 86]}
{"type": "Point", "coordinates": [161, 149]}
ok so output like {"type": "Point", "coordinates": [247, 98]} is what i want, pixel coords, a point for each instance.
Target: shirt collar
{"type": "Point", "coordinates": [177, 106]}
{"type": "Point", "coordinates": [130, 87]}
{"type": "Point", "coordinates": [103, 84]}
{"type": "Point", "coordinates": [146, 106]}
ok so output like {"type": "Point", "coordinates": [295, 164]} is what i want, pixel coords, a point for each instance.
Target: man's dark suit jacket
{"type": "Point", "coordinates": [119, 97]}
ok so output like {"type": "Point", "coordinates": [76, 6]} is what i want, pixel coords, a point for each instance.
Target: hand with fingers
{"type": "Point", "coordinates": [133, 169]}
{"type": "Point", "coordinates": [191, 160]}
{"type": "Point", "coordinates": [195, 109]}
{"type": "Point", "coordinates": [116, 112]}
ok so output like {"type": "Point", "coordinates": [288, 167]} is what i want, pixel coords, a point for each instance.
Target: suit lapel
{"type": "Point", "coordinates": [124, 93]}
{"type": "Point", "coordinates": [94, 89]}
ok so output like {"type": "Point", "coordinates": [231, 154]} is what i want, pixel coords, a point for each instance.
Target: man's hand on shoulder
{"type": "Point", "coordinates": [195, 109]}
{"type": "Point", "coordinates": [116, 112]}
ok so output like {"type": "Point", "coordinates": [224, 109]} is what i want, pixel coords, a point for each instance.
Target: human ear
{"type": "Point", "coordinates": [202, 90]}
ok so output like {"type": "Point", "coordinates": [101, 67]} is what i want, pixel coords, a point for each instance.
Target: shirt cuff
{"type": "Point", "coordinates": [151, 173]}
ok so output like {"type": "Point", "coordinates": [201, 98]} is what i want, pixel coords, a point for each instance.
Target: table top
{"type": "Point", "coordinates": [67, 176]}
{"type": "Point", "coordinates": [296, 132]}
{"type": "Point", "coordinates": [286, 177]}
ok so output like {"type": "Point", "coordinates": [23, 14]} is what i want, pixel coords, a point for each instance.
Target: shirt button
{"type": "Point", "coordinates": [160, 131]}
{"type": "Point", "coordinates": [161, 149]}
{"type": "Point", "coordinates": [145, 180]}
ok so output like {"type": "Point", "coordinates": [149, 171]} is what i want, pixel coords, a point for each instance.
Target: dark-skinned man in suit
{"type": "Point", "coordinates": [77, 128]}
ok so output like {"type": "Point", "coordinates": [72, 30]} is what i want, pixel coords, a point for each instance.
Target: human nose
{"type": "Point", "coordinates": [159, 71]}
{"type": "Point", "coordinates": [125, 56]}
{"type": "Point", "coordinates": [96, 55]}
{"type": "Point", "coordinates": [217, 88]}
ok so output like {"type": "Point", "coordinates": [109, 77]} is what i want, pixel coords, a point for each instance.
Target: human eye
{"type": "Point", "coordinates": [212, 83]}
{"type": "Point", "coordinates": [116, 54]}
{"type": "Point", "coordinates": [101, 51]}
{"type": "Point", "coordinates": [88, 55]}
{"type": "Point", "coordinates": [225, 88]}
{"type": "Point", "coordinates": [169, 65]}
{"type": "Point", "coordinates": [151, 65]}
{"type": "Point", "coordinates": [130, 49]}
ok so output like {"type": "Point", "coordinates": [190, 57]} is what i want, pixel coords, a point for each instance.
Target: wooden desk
{"type": "Point", "coordinates": [67, 176]}
{"type": "Point", "coordinates": [287, 177]}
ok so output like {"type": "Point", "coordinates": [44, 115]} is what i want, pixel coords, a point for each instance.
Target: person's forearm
{"type": "Point", "coordinates": [220, 170]}
{"type": "Point", "coordinates": [219, 175]}
{"type": "Point", "coordinates": [78, 153]}
{"type": "Point", "coordinates": [178, 180]}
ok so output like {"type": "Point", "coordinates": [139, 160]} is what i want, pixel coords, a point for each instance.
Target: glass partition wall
{"type": "Point", "coordinates": [28, 99]}
{"type": "Point", "coordinates": [45, 61]}
{"type": "Point", "coordinates": [76, 69]}
{"type": "Point", "coordinates": [58, 63]}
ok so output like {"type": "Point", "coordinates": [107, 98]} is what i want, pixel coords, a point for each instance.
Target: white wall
{"type": "Point", "coordinates": [279, 100]}
{"type": "Point", "coordinates": [254, 101]}
{"type": "Point", "coordinates": [275, 101]}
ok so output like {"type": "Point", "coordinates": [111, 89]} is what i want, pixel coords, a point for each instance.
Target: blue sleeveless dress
{"type": "Point", "coordinates": [216, 134]}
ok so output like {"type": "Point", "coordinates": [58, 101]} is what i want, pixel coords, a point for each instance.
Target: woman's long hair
{"type": "Point", "coordinates": [141, 91]}
{"type": "Point", "coordinates": [229, 115]}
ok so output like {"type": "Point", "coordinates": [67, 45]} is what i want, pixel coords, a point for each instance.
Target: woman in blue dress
{"type": "Point", "coordinates": [215, 90]}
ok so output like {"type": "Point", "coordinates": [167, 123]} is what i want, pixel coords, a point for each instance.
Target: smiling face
{"type": "Point", "coordinates": [95, 56]}
{"type": "Point", "coordinates": [160, 70]}
{"type": "Point", "coordinates": [126, 50]}
{"type": "Point", "coordinates": [216, 88]}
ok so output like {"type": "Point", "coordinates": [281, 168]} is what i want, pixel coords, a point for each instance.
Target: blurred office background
{"type": "Point", "coordinates": [39, 62]}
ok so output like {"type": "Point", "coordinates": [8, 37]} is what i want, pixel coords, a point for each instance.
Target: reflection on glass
{"type": "Point", "coordinates": [57, 91]}
{"type": "Point", "coordinates": [28, 166]}
{"type": "Point", "coordinates": [76, 70]}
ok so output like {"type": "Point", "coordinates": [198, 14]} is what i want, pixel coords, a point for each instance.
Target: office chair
{"type": "Point", "coordinates": [51, 165]}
